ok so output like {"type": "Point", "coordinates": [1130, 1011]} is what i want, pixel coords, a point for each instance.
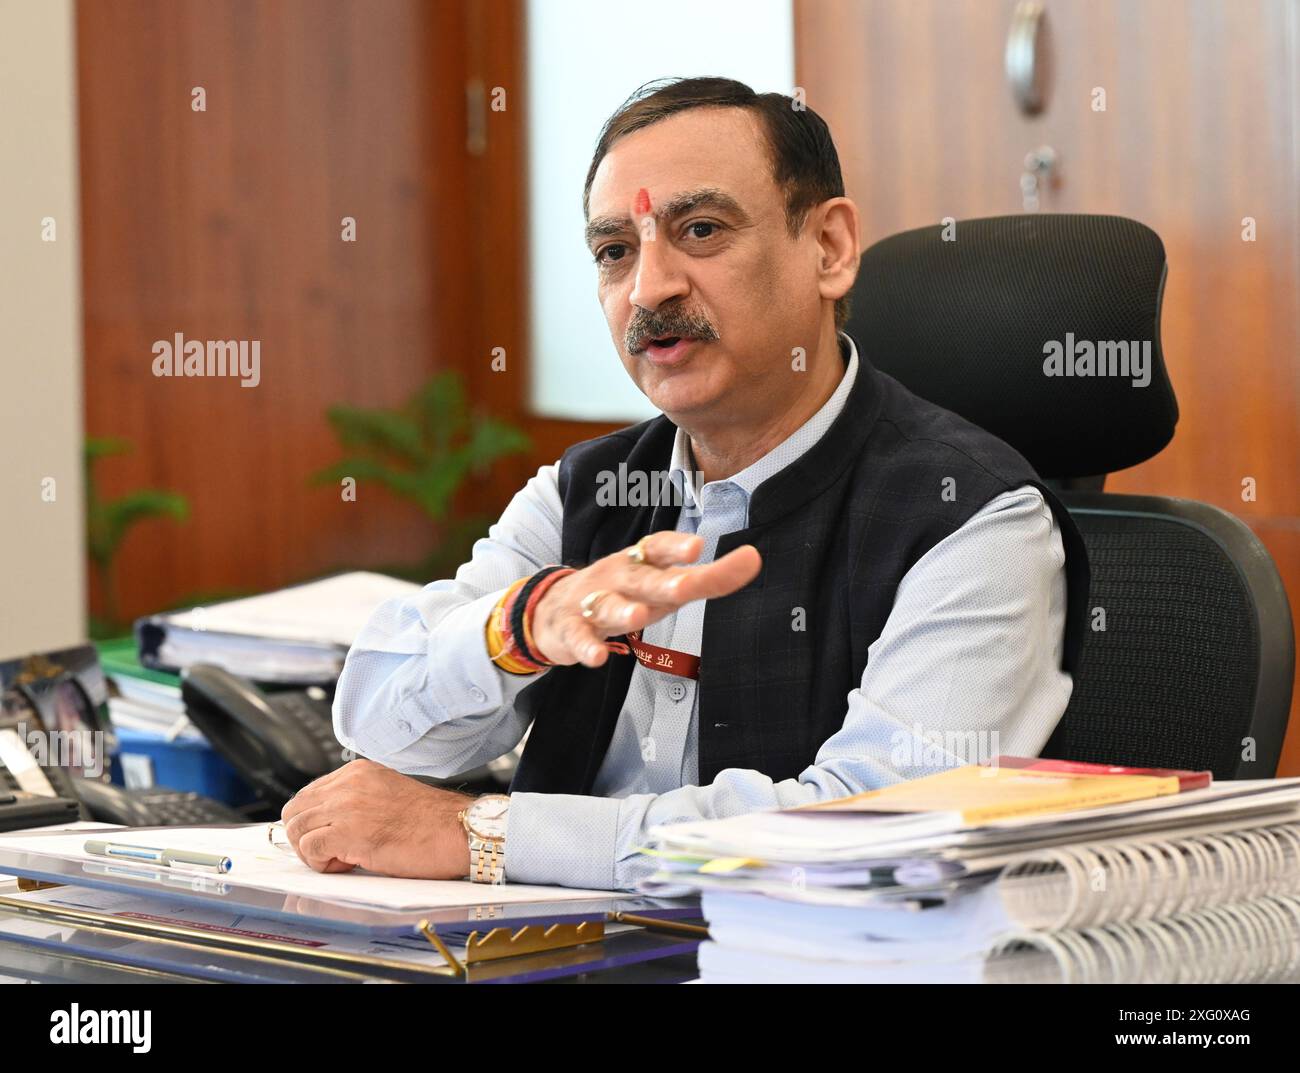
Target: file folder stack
{"type": "Point", "coordinates": [1016, 881]}
{"type": "Point", "coordinates": [296, 636]}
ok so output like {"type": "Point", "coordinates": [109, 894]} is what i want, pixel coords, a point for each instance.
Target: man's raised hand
{"type": "Point", "coordinates": [626, 591]}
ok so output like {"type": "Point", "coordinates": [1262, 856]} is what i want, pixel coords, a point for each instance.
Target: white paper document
{"type": "Point", "coordinates": [333, 609]}
{"type": "Point", "coordinates": [258, 863]}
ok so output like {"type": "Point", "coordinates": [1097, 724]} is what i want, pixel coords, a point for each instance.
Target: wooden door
{"type": "Point", "coordinates": [1197, 140]}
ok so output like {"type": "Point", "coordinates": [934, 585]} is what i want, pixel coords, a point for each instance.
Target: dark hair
{"type": "Point", "coordinates": [805, 164]}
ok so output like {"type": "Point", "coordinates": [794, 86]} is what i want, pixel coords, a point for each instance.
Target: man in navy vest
{"type": "Point", "coordinates": [800, 582]}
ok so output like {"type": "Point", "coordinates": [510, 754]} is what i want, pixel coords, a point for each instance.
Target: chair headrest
{"type": "Point", "coordinates": [1007, 322]}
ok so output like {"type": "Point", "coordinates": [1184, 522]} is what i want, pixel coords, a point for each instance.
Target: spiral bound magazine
{"type": "Point", "coordinates": [1241, 942]}
{"type": "Point", "coordinates": [1222, 907]}
{"type": "Point", "coordinates": [1062, 887]}
{"type": "Point", "coordinates": [1194, 886]}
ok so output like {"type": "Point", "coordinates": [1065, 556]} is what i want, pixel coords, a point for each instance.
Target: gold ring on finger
{"type": "Point", "coordinates": [589, 602]}
{"type": "Point", "coordinates": [637, 552]}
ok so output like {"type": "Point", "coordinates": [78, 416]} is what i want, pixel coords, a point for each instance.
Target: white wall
{"type": "Point", "coordinates": [585, 57]}
{"type": "Point", "coordinates": [42, 574]}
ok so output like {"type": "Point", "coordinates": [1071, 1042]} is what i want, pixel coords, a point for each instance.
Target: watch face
{"type": "Point", "coordinates": [487, 817]}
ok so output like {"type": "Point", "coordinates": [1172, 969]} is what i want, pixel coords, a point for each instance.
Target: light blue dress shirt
{"type": "Point", "coordinates": [968, 666]}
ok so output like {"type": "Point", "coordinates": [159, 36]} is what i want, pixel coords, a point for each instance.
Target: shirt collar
{"type": "Point", "coordinates": [780, 456]}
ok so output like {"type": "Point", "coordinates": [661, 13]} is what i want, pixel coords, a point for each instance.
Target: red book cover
{"type": "Point", "coordinates": [1187, 780]}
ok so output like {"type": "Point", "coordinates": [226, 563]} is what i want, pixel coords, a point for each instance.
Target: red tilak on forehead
{"type": "Point", "coordinates": [642, 201]}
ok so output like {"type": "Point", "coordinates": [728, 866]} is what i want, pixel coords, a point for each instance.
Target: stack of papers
{"type": "Point", "coordinates": [298, 635]}
{"type": "Point", "coordinates": [259, 864]}
{"type": "Point", "coordinates": [150, 708]}
{"type": "Point", "coordinates": [141, 699]}
{"type": "Point", "coordinates": [859, 890]}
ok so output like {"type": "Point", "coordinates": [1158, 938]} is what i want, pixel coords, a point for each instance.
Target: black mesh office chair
{"type": "Point", "coordinates": [1194, 666]}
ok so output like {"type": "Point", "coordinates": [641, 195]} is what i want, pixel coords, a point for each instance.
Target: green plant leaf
{"type": "Point", "coordinates": [403, 483]}
{"type": "Point", "coordinates": [440, 407]}
{"type": "Point", "coordinates": [97, 447]}
{"type": "Point", "coordinates": [358, 468]}
{"type": "Point", "coordinates": [120, 514]}
{"type": "Point", "coordinates": [436, 486]}
{"type": "Point", "coordinates": [381, 430]}
{"type": "Point", "coordinates": [492, 439]}
{"type": "Point", "coordinates": [423, 451]}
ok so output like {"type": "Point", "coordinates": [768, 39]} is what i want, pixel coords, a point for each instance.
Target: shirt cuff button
{"type": "Point", "coordinates": [478, 694]}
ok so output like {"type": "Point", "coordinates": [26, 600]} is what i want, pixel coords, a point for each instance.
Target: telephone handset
{"type": "Point", "coordinates": [277, 742]}
{"type": "Point", "coordinates": [281, 741]}
{"type": "Point", "coordinates": [31, 795]}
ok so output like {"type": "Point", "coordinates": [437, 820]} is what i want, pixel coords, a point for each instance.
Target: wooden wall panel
{"type": "Point", "coordinates": [1198, 132]}
{"type": "Point", "coordinates": [225, 224]}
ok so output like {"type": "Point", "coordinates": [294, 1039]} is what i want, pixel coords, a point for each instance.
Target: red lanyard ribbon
{"type": "Point", "coordinates": [668, 660]}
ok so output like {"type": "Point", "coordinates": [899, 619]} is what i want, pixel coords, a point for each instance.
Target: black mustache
{"type": "Point", "coordinates": [669, 328]}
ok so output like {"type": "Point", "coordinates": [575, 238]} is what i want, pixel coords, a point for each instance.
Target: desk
{"type": "Point", "coordinates": [18, 965]}
{"type": "Point", "coordinates": [633, 956]}
{"type": "Point", "coordinates": [103, 955]}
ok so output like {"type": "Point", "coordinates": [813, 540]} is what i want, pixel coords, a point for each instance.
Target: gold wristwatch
{"type": "Point", "coordinates": [485, 824]}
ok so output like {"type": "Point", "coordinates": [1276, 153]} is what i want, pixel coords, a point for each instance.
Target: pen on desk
{"type": "Point", "coordinates": [168, 858]}
{"type": "Point", "coordinates": [182, 878]}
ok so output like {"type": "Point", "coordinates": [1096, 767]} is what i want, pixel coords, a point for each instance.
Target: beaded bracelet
{"type": "Point", "coordinates": [518, 610]}
{"type": "Point", "coordinates": [498, 651]}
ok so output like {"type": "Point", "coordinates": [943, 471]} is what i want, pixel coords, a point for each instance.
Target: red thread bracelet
{"type": "Point", "coordinates": [531, 606]}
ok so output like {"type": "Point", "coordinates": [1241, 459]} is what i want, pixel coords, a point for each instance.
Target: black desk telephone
{"type": "Point", "coordinates": [55, 737]}
{"type": "Point", "coordinates": [279, 742]}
